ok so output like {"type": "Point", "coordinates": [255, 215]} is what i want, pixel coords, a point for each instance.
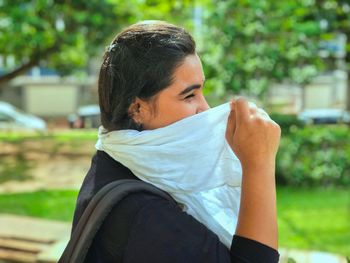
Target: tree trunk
{"type": "Point", "coordinates": [34, 61]}
{"type": "Point", "coordinates": [18, 71]}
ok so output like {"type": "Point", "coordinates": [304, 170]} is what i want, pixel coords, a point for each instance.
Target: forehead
{"type": "Point", "coordinates": [188, 73]}
{"type": "Point", "coordinates": [190, 70]}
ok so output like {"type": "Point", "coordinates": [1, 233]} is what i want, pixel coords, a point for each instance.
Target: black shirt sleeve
{"type": "Point", "coordinates": [158, 231]}
{"type": "Point", "coordinates": [248, 250]}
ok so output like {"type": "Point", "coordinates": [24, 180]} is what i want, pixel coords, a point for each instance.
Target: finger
{"type": "Point", "coordinates": [242, 109]}
{"type": "Point", "coordinates": [231, 122]}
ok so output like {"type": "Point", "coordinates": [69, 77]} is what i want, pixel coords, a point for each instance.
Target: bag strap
{"type": "Point", "coordinates": [97, 210]}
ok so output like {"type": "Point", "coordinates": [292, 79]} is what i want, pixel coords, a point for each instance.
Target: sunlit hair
{"type": "Point", "coordinates": [140, 62]}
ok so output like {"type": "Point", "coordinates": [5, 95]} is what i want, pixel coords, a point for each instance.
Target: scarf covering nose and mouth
{"type": "Point", "coordinates": [191, 160]}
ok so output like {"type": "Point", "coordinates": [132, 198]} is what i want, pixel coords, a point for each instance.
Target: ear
{"type": "Point", "coordinates": [137, 110]}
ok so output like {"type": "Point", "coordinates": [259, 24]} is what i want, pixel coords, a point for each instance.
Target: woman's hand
{"type": "Point", "coordinates": [251, 133]}
{"type": "Point", "coordinates": [254, 138]}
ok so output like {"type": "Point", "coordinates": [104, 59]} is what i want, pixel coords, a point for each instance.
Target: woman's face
{"type": "Point", "coordinates": [183, 98]}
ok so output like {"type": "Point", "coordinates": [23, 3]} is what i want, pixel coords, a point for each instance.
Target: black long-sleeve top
{"type": "Point", "coordinates": [156, 230]}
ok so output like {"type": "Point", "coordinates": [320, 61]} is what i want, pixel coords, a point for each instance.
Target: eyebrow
{"type": "Point", "coordinates": [190, 88]}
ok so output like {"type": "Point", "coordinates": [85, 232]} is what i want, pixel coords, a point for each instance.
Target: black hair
{"type": "Point", "coordinates": [140, 62]}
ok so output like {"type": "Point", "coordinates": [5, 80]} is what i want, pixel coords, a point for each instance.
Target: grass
{"type": "Point", "coordinates": [312, 219]}
{"type": "Point", "coordinates": [55, 204]}
{"type": "Point", "coordinates": [62, 136]}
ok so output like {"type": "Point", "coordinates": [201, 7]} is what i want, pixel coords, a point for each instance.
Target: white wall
{"type": "Point", "coordinates": [51, 100]}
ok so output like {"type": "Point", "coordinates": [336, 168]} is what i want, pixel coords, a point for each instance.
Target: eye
{"type": "Point", "coordinates": [189, 96]}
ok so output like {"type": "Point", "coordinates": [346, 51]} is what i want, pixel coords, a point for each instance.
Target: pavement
{"type": "Point", "coordinates": [25, 239]}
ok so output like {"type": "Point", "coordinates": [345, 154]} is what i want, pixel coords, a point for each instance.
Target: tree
{"type": "Point", "coordinates": [64, 35]}
{"type": "Point", "coordinates": [63, 32]}
{"type": "Point", "coordinates": [250, 44]}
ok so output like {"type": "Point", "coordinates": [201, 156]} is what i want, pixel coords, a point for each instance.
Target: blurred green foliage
{"type": "Point", "coordinates": [258, 43]}
{"type": "Point", "coordinates": [59, 34]}
{"type": "Point", "coordinates": [66, 35]}
{"type": "Point", "coordinates": [245, 45]}
{"type": "Point", "coordinates": [286, 121]}
{"type": "Point", "coordinates": [314, 156]}
{"type": "Point", "coordinates": [249, 45]}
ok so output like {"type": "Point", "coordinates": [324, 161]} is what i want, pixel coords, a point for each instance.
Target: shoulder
{"type": "Point", "coordinates": [103, 170]}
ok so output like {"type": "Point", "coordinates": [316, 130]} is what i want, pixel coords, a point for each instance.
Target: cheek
{"type": "Point", "coordinates": [174, 112]}
{"type": "Point", "coordinates": [182, 111]}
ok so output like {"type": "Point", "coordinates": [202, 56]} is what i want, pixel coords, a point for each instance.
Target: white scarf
{"type": "Point", "coordinates": [191, 160]}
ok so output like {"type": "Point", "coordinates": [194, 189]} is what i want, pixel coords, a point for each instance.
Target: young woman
{"type": "Point", "coordinates": [151, 92]}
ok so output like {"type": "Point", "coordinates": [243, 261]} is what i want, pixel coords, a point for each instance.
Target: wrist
{"type": "Point", "coordinates": [259, 165]}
